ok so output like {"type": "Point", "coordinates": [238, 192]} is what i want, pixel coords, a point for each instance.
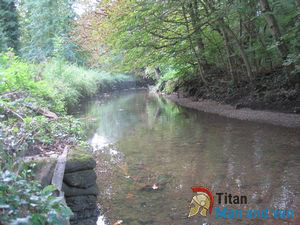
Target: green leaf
{"type": "Point", "coordinates": [38, 219]}
{"type": "Point", "coordinates": [49, 189]}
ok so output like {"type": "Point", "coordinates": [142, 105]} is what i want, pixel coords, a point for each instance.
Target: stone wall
{"type": "Point", "coordinates": [80, 188]}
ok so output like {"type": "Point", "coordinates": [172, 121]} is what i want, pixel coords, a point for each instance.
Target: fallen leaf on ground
{"type": "Point", "coordinates": [124, 169]}
{"type": "Point", "coordinates": [118, 222]}
{"type": "Point", "coordinates": [154, 187]}
{"type": "Point", "coordinates": [130, 195]}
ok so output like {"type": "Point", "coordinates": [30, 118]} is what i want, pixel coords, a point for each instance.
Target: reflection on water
{"type": "Point", "coordinates": [150, 153]}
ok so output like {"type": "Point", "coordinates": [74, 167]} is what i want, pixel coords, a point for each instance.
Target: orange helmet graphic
{"type": "Point", "coordinates": [204, 199]}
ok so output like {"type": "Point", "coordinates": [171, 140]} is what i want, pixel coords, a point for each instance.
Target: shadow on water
{"type": "Point", "coordinates": [150, 152]}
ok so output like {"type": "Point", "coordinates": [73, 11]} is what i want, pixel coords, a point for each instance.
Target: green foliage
{"type": "Point", "coordinates": [32, 93]}
{"type": "Point", "coordinates": [9, 26]}
{"type": "Point", "coordinates": [170, 75]}
{"type": "Point", "coordinates": [33, 99]}
{"type": "Point", "coordinates": [37, 134]}
{"type": "Point", "coordinates": [75, 82]}
{"type": "Point", "coordinates": [45, 29]}
{"type": "Point", "coordinates": [170, 86]}
{"type": "Point", "coordinates": [14, 74]}
{"type": "Point", "coordinates": [54, 84]}
{"type": "Point", "coordinates": [201, 37]}
{"type": "Point", "coordinates": [293, 59]}
{"type": "Point", "coordinates": [26, 103]}
{"type": "Point", "coordinates": [17, 76]}
{"type": "Point", "coordinates": [171, 79]}
{"type": "Point", "coordinates": [24, 201]}
{"type": "Point", "coordinates": [27, 126]}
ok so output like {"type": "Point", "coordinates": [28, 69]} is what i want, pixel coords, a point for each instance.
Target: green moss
{"type": "Point", "coordinates": [79, 159]}
{"type": "Point", "coordinates": [79, 154]}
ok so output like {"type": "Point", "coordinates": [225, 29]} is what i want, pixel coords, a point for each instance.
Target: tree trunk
{"type": "Point", "coordinates": [241, 49]}
{"type": "Point", "coordinates": [9, 24]}
{"type": "Point", "coordinates": [193, 11]}
{"type": "Point", "coordinates": [298, 5]}
{"type": "Point", "coordinates": [273, 25]}
{"type": "Point", "coordinates": [253, 31]}
{"type": "Point", "coordinates": [227, 29]}
{"type": "Point", "coordinates": [230, 59]}
{"type": "Point", "coordinates": [199, 63]}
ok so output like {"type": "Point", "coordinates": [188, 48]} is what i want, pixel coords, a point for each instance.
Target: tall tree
{"type": "Point", "coordinates": [46, 28]}
{"type": "Point", "coordinates": [196, 36]}
{"type": "Point", "coordinates": [9, 26]}
{"type": "Point", "coordinates": [297, 2]}
{"type": "Point", "coordinates": [274, 27]}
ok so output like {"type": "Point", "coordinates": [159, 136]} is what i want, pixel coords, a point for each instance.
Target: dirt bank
{"type": "Point", "coordinates": [275, 118]}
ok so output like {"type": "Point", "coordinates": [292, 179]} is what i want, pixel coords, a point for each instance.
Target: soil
{"type": "Point", "coordinates": [210, 106]}
{"type": "Point", "coordinates": [276, 90]}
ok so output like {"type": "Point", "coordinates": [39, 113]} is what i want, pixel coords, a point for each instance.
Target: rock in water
{"type": "Point", "coordinates": [79, 160]}
{"type": "Point", "coordinates": [80, 187]}
{"type": "Point", "coordinates": [81, 179]}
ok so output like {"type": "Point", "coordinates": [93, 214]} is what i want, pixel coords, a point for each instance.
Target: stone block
{"type": "Point", "coordinates": [73, 191]}
{"type": "Point", "coordinates": [89, 221]}
{"type": "Point", "coordinates": [81, 179]}
{"type": "Point", "coordinates": [85, 214]}
{"type": "Point", "coordinates": [78, 160]}
{"type": "Point", "coordinates": [78, 203]}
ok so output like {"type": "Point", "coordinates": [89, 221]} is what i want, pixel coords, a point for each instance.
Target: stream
{"type": "Point", "coordinates": [150, 152]}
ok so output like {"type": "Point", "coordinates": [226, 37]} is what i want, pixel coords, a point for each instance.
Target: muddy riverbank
{"type": "Point", "coordinates": [209, 106]}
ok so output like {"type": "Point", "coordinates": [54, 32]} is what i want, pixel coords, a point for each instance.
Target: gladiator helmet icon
{"type": "Point", "coordinates": [204, 199]}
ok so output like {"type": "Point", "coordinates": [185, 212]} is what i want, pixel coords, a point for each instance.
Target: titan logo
{"type": "Point", "coordinates": [204, 200]}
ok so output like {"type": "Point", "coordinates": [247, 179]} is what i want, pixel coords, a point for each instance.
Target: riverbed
{"type": "Point", "coordinates": [150, 152]}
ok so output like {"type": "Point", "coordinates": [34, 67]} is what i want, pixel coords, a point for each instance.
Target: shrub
{"type": "Point", "coordinates": [170, 80]}
{"type": "Point", "coordinates": [19, 76]}
{"type": "Point", "coordinates": [24, 201]}
{"type": "Point", "coordinates": [14, 74]}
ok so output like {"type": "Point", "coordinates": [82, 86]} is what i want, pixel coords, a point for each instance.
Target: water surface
{"type": "Point", "coordinates": [150, 152]}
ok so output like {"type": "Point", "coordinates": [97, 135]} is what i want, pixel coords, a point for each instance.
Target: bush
{"type": "Point", "coordinates": [170, 80]}
{"type": "Point", "coordinates": [24, 201]}
{"type": "Point", "coordinates": [14, 74]}
{"type": "Point", "coordinates": [18, 76]}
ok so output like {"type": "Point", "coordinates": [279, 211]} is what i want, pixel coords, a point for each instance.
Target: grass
{"type": "Point", "coordinates": [76, 82]}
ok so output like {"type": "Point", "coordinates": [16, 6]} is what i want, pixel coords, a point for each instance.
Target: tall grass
{"type": "Point", "coordinates": [59, 83]}
{"type": "Point", "coordinates": [77, 82]}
